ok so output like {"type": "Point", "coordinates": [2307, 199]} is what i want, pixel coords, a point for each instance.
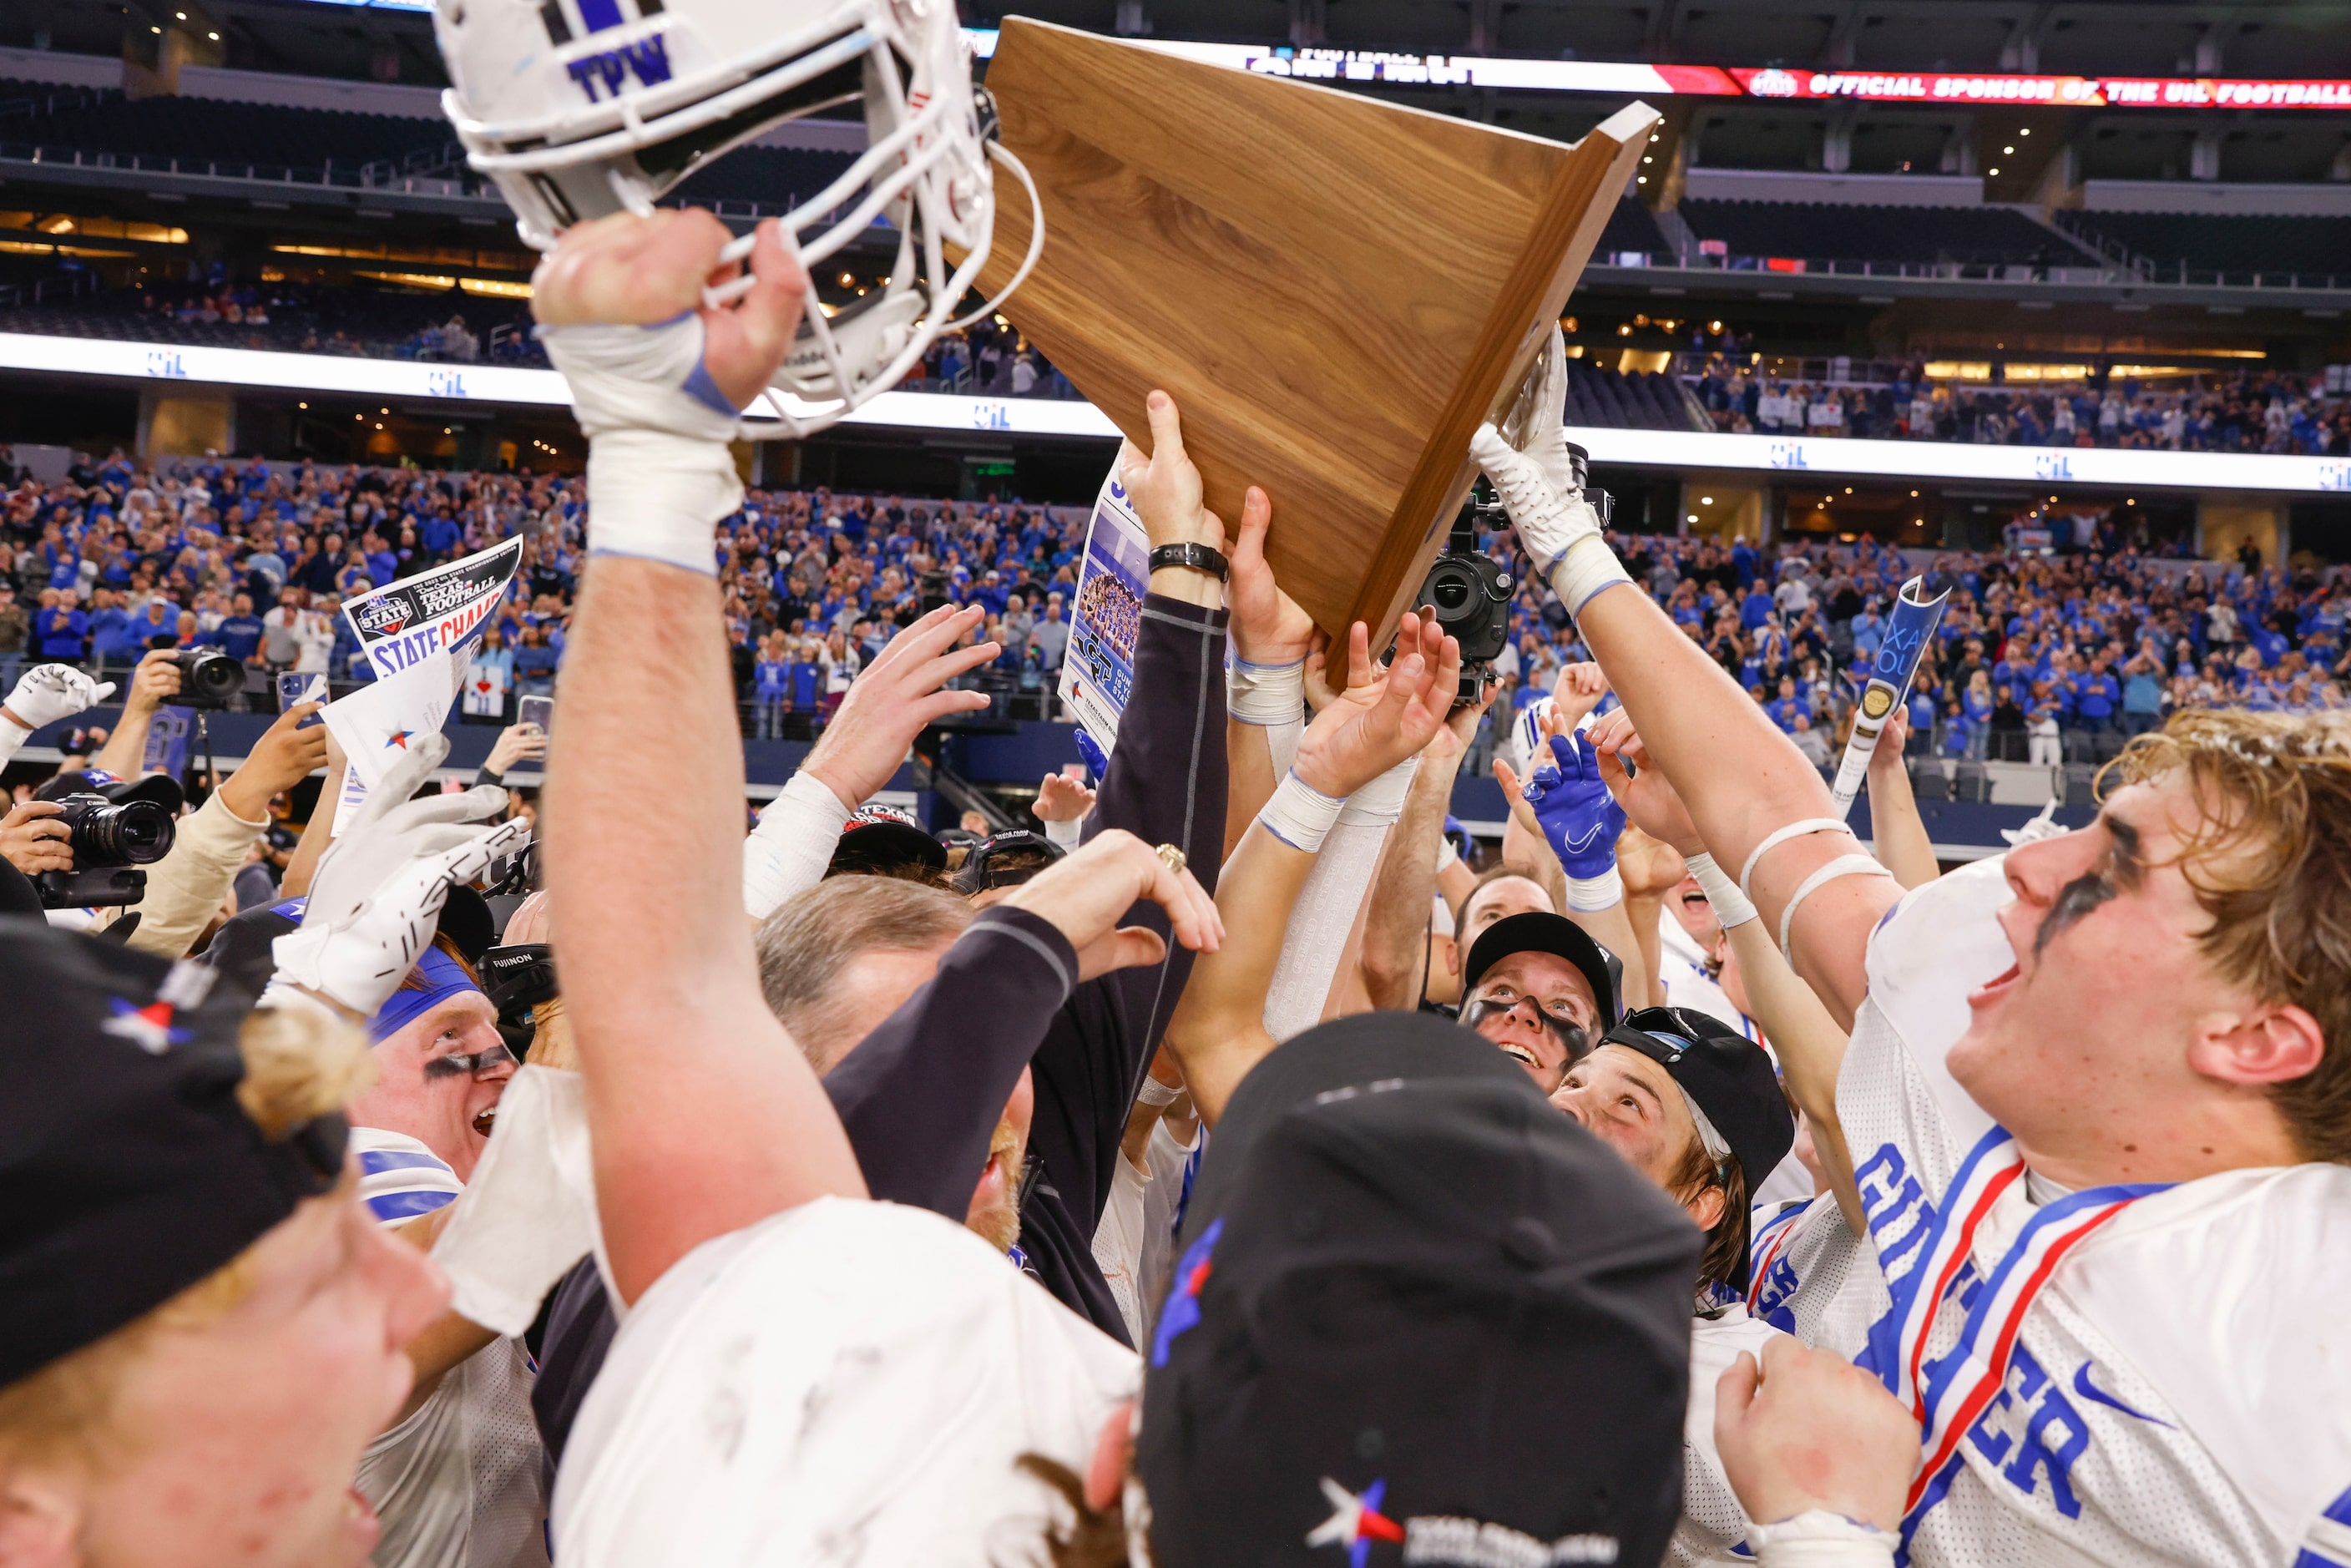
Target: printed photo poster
{"type": "Point", "coordinates": [1098, 668]}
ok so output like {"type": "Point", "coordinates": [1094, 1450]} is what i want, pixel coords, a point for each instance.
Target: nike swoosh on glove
{"type": "Point", "coordinates": [48, 693]}
{"type": "Point", "coordinates": [1579, 817]}
{"type": "Point", "coordinates": [377, 896]}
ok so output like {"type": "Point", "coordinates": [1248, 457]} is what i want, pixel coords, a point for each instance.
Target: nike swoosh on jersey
{"type": "Point", "coordinates": [2088, 1390]}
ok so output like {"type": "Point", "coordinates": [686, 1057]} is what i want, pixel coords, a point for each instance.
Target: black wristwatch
{"type": "Point", "coordinates": [1199, 557]}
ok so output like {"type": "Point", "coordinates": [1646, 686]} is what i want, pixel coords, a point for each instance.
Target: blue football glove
{"type": "Point", "coordinates": [1578, 815]}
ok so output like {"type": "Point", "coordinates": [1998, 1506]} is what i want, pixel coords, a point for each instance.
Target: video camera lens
{"type": "Point", "coordinates": [103, 834]}
{"type": "Point", "coordinates": [209, 678]}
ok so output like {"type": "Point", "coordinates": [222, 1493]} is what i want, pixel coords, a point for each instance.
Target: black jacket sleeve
{"type": "Point", "coordinates": [1166, 784]}
{"type": "Point", "coordinates": [921, 1096]}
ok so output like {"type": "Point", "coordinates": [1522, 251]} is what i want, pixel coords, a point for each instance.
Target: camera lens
{"type": "Point", "coordinates": [1449, 592]}
{"type": "Point", "coordinates": [217, 678]}
{"type": "Point", "coordinates": [136, 832]}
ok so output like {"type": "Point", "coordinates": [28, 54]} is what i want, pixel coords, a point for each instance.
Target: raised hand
{"type": "Point", "coordinates": [1063, 796]}
{"type": "Point", "coordinates": [643, 270]}
{"type": "Point", "coordinates": [1384, 715]}
{"type": "Point", "coordinates": [1648, 796]}
{"type": "Point", "coordinates": [48, 693]}
{"type": "Point", "coordinates": [1084, 894]}
{"type": "Point", "coordinates": [1580, 818]}
{"type": "Point", "coordinates": [1165, 486]}
{"type": "Point", "coordinates": [378, 894]}
{"type": "Point", "coordinates": [886, 707]}
{"type": "Point", "coordinates": [1268, 626]}
{"type": "Point", "coordinates": [1579, 689]}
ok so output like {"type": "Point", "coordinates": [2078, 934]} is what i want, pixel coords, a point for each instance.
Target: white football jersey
{"type": "Point", "coordinates": [1712, 1529]}
{"type": "Point", "coordinates": [843, 1382]}
{"type": "Point", "coordinates": [2180, 1391]}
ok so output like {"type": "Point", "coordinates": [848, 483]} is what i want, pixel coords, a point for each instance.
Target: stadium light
{"type": "Point", "coordinates": [1992, 172]}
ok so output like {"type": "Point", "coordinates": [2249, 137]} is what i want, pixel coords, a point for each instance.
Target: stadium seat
{"type": "Point", "coordinates": [2081, 784]}
{"type": "Point", "coordinates": [1918, 236]}
{"type": "Point", "coordinates": [1972, 782]}
{"type": "Point", "coordinates": [1928, 781]}
{"type": "Point", "coordinates": [2211, 243]}
{"type": "Point", "coordinates": [2080, 745]}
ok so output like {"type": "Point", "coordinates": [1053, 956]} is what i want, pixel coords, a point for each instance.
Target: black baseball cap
{"type": "Point", "coordinates": [885, 839]}
{"type": "Point", "coordinates": [161, 788]}
{"type": "Point", "coordinates": [1536, 932]}
{"type": "Point", "coordinates": [128, 1169]}
{"type": "Point", "coordinates": [1416, 1310]}
{"type": "Point", "coordinates": [1726, 1075]}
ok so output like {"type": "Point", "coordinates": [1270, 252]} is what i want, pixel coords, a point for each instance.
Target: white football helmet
{"type": "Point", "coordinates": [578, 108]}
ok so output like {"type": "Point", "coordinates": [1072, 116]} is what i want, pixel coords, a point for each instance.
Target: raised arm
{"type": "Point", "coordinates": [1745, 781]}
{"type": "Point", "coordinates": [1218, 1032]}
{"type": "Point", "coordinates": [1265, 689]}
{"type": "Point", "coordinates": [1396, 930]}
{"type": "Point", "coordinates": [705, 1117]}
{"type": "Point", "coordinates": [1898, 833]}
{"type": "Point", "coordinates": [1808, 1043]}
{"type": "Point", "coordinates": [155, 681]}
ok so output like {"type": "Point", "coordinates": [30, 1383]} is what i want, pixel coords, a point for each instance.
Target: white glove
{"type": "Point", "coordinates": [1530, 470]}
{"type": "Point", "coordinates": [378, 894]}
{"type": "Point", "coordinates": [48, 693]}
{"type": "Point", "coordinates": [660, 476]}
{"type": "Point", "coordinates": [1537, 423]}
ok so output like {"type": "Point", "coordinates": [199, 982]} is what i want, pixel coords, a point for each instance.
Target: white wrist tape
{"type": "Point", "coordinates": [1855, 864]}
{"type": "Point", "coordinates": [12, 735]}
{"type": "Point", "coordinates": [1380, 802]}
{"type": "Point", "coordinates": [788, 851]}
{"type": "Point", "coordinates": [1154, 1093]}
{"type": "Point", "coordinates": [1590, 894]}
{"type": "Point", "coordinates": [1448, 853]}
{"type": "Point", "coordinates": [1264, 694]}
{"type": "Point", "coordinates": [1066, 834]}
{"type": "Point", "coordinates": [658, 474]}
{"type": "Point", "coordinates": [1299, 814]}
{"type": "Point", "coordinates": [1778, 836]}
{"type": "Point", "coordinates": [1731, 907]}
{"type": "Point", "coordinates": [1819, 1539]}
{"type": "Point", "coordinates": [1587, 566]}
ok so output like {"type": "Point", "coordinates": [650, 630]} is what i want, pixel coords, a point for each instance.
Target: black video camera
{"type": "Point", "coordinates": [1579, 463]}
{"type": "Point", "coordinates": [209, 678]}
{"type": "Point", "coordinates": [518, 979]}
{"type": "Point", "coordinates": [1470, 594]}
{"type": "Point", "coordinates": [110, 842]}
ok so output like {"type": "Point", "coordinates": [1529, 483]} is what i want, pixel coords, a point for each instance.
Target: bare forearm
{"type": "Point", "coordinates": [706, 1118]}
{"type": "Point", "coordinates": [1396, 931]}
{"type": "Point", "coordinates": [1899, 833]}
{"type": "Point", "coordinates": [317, 835]}
{"type": "Point", "coordinates": [1644, 911]}
{"type": "Point", "coordinates": [1613, 928]}
{"type": "Point", "coordinates": [1249, 778]}
{"type": "Point", "coordinates": [125, 750]}
{"type": "Point", "coordinates": [1811, 1047]}
{"type": "Point", "coordinates": [1218, 1031]}
{"type": "Point", "coordinates": [1741, 778]}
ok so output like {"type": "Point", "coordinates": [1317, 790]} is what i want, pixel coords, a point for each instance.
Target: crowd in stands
{"type": "Point", "coordinates": [2264, 412]}
{"type": "Point", "coordinates": [2050, 658]}
{"type": "Point", "coordinates": [2040, 657]}
{"type": "Point", "coordinates": [258, 559]}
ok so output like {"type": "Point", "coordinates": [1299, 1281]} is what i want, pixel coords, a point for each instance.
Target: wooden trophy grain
{"type": "Point", "coordinates": [1335, 290]}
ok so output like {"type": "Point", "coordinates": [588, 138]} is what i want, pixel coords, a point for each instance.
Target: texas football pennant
{"type": "Point", "coordinates": [1908, 632]}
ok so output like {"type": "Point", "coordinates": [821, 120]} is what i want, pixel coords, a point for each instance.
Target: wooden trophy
{"type": "Point", "coordinates": [1335, 290]}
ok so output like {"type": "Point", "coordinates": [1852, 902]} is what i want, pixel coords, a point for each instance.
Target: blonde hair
{"type": "Point", "coordinates": [299, 1064]}
{"type": "Point", "coordinates": [2271, 864]}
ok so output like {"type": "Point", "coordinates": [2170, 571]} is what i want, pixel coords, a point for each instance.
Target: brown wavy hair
{"type": "Point", "coordinates": [2271, 864]}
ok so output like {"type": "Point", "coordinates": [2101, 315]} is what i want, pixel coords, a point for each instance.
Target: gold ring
{"type": "Point", "coordinates": [1172, 857]}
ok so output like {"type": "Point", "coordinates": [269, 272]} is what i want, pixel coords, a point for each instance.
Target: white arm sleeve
{"type": "Point", "coordinates": [788, 851]}
{"type": "Point", "coordinates": [1317, 936]}
{"type": "Point", "coordinates": [13, 735]}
